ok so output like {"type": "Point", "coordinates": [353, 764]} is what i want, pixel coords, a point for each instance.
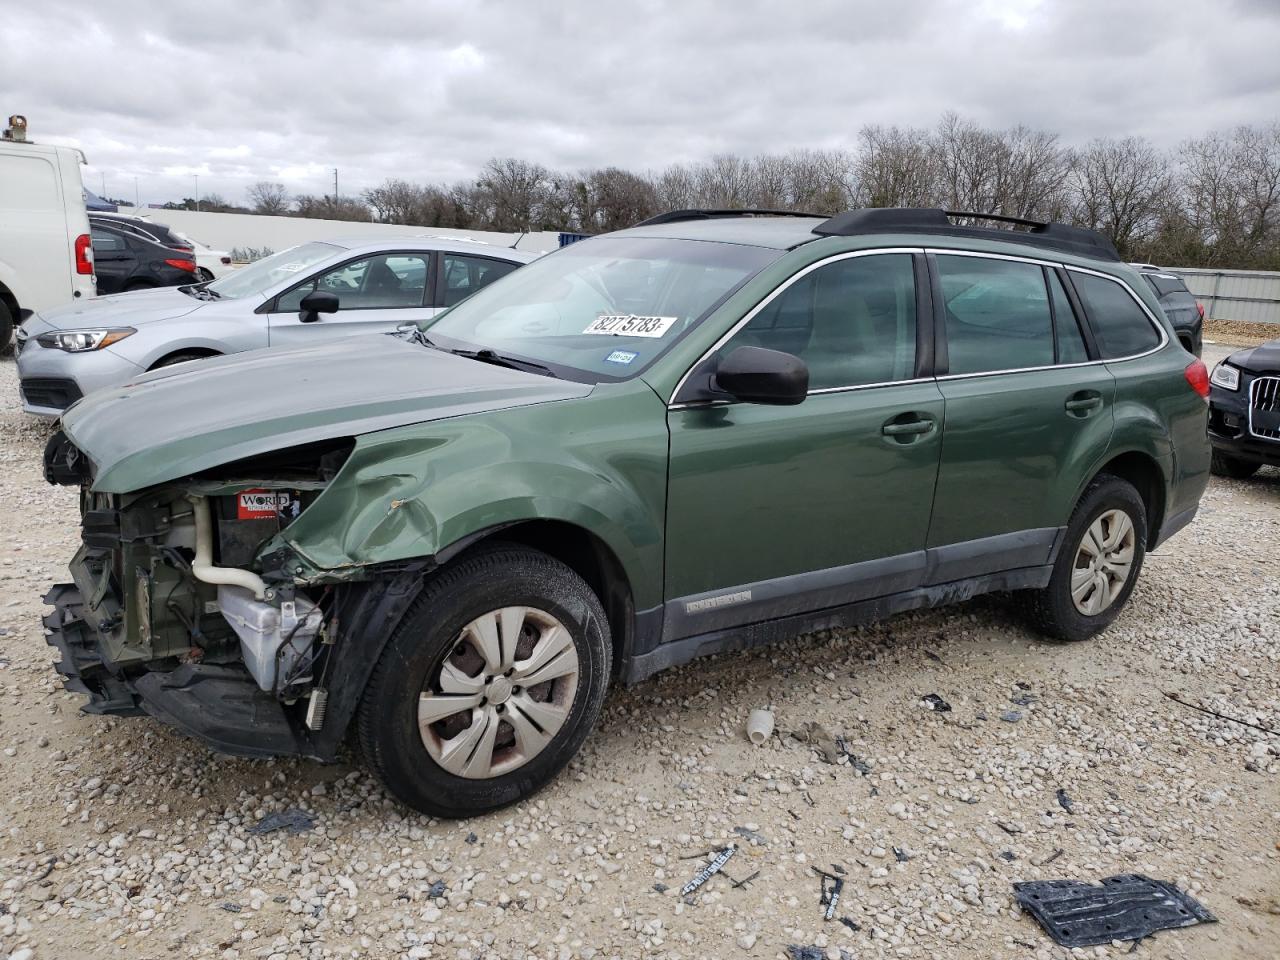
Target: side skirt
{"type": "Point", "coordinates": [745, 637]}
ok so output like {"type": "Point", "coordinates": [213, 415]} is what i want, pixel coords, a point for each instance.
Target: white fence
{"type": "Point", "coordinates": [1252, 295]}
{"type": "Point", "coordinates": [226, 231]}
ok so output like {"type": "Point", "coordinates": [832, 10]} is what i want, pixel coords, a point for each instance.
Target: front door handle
{"type": "Point", "coordinates": [1083, 403]}
{"type": "Point", "coordinates": [908, 426]}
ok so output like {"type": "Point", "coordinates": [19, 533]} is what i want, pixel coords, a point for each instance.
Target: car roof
{"type": "Point", "coordinates": [430, 242]}
{"type": "Point", "coordinates": [772, 231]}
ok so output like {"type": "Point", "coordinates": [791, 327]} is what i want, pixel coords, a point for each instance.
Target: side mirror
{"type": "Point", "coordinates": [315, 303]}
{"type": "Point", "coordinates": [757, 375]}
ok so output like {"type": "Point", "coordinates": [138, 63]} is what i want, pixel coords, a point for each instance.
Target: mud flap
{"type": "Point", "coordinates": [81, 668]}
{"type": "Point", "coordinates": [1125, 907]}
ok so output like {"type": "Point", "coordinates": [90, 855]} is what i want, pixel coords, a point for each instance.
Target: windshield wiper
{"type": "Point", "coordinates": [200, 293]}
{"type": "Point", "coordinates": [486, 355]}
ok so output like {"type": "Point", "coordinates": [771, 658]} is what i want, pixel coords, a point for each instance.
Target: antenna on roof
{"type": "Point", "coordinates": [523, 234]}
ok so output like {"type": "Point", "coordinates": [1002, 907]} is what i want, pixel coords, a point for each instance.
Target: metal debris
{"type": "Point", "coordinates": [1064, 801]}
{"type": "Point", "coordinates": [833, 898]}
{"type": "Point", "coordinates": [710, 870]}
{"type": "Point", "coordinates": [1011, 716]}
{"type": "Point", "coordinates": [1008, 856]}
{"type": "Point", "coordinates": [291, 821]}
{"type": "Point", "coordinates": [436, 890]}
{"type": "Point", "coordinates": [900, 855]}
{"type": "Point", "coordinates": [935, 703]}
{"type": "Point", "coordinates": [1125, 907]}
{"type": "Point", "coordinates": [850, 924]}
{"type": "Point", "coordinates": [471, 838]}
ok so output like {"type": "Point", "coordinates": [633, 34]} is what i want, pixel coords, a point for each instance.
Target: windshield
{"type": "Point", "coordinates": [607, 307]}
{"type": "Point", "coordinates": [260, 276]}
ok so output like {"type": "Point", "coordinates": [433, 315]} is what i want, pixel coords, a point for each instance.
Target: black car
{"type": "Point", "coordinates": [1244, 411]}
{"type": "Point", "coordinates": [141, 227]}
{"type": "Point", "coordinates": [125, 261]}
{"type": "Point", "coordinates": [1179, 304]}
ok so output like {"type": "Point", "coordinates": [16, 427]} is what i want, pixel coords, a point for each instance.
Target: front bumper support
{"type": "Point", "coordinates": [221, 705]}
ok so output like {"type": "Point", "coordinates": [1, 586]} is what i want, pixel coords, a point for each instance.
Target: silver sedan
{"type": "Point", "coordinates": [303, 295]}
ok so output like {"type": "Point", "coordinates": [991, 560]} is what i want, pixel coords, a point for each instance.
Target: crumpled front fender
{"type": "Point", "coordinates": [411, 492]}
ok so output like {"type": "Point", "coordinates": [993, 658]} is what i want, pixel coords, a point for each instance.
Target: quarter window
{"type": "Point", "coordinates": [1120, 325]}
{"type": "Point", "coordinates": [105, 242]}
{"type": "Point", "coordinates": [997, 314]}
{"type": "Point", "coordinates": [390, 280]}
{"type": "Point", "coordinates": [463, 276]}
{"type": "Point", "coordinates": [852, 321]}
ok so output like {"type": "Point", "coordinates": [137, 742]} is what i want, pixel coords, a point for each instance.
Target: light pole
{"type": "Point", "coordinates": [136, 202]}
{"type": "Point", "coordinates": [197, 176]}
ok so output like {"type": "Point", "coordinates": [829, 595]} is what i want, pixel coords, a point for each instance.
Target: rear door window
{"type": "Point", "coordinates": [1120, 325]}
{"type": "Point", "coordinates": [463, 276]}
{"type": "Point", "coordinates": [997, 314]}
{"type": "Point", "coordinates": [1166, 285]}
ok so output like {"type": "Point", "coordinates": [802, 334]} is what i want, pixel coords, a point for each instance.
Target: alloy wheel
{"type": "Point", "coordinates": [1103, 562]}
{"type": "Point", "coordinates": [501, 693]}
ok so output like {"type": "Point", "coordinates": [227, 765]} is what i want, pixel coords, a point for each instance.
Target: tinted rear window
{"type": "Point", "coordinates": [1121, 326]}
{"type": "Point", "coordinates": [1166, 285]}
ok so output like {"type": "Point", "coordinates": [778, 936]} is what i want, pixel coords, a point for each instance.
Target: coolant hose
{"type": "Point", "coordinates": [203, 567]}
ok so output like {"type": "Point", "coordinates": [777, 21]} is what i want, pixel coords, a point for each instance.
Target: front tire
{"type": "Point", "coordinates": [1223, 465]}
{"type": "Point", "coordinates": [1098, 564]}
{"type": "Point", "coordinates": [6, 330]}
{"type": "Point", "coordinates": [490, 684]}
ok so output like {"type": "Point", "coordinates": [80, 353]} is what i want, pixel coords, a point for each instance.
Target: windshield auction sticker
{"type": "Point", "coordinates": [629, 325]}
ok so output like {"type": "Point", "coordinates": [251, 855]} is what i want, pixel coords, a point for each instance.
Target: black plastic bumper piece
{"type": "Point", "coordinates": [220, 705]}
{"type": "Point", "coordinates": [1125, 907]}
{"type": "Point", "coordinates": [81, 668]}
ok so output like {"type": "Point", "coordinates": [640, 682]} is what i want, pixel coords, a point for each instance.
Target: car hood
{"type": "Point", "coordinates": [1261, 359]}
{"type": "Point", "coordinates": [121, 310]}
{"type": "Point", "coordinates": [187, 418]}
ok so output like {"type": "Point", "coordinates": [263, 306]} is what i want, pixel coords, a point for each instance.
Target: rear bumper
{"type": "Point", "coordinates": [221, 705]}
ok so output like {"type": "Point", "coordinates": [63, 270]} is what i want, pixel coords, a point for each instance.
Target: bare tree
{"type": "Point", "coordinates": [1119, 188]}
{"type": "Point", "coordinates": [894, 167]}
{"type": "Point", "coordinates": [1232, 187]}
{"type": "Point", "coordinates": [269, 199]}
{"type": "Point", "coordinates": [330, 208]}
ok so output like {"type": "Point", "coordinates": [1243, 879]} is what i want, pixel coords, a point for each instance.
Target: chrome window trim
{"type": "Point", "coordinates": [938, 251]}
{"type": "Point", "coordinates": [777, 291]}
{"type": "Point", "coordinates": [1164, 337]}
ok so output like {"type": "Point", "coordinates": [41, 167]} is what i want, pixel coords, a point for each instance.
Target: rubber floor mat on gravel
{"type": "Point", "coordinates": [1129, 906]}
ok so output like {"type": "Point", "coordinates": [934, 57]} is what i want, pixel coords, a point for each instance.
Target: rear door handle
{"type": "Point", "coordinates": [1083, 402]}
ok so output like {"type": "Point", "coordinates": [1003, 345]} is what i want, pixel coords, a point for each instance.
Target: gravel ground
{"type": "Point", "coordinates": [120, 838]}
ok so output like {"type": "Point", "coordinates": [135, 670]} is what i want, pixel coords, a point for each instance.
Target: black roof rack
{"type": "Point", "coordinates": [1060, 236]}
{"type": "Point", "coordinates": [677, 216]}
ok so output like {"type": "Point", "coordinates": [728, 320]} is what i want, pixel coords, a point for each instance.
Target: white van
{"type": "Point", "coordinates": [46, 255]}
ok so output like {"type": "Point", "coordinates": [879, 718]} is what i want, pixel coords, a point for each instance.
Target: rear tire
{"type": "Point", "coordinates": [435, 636]}
{"type": "Point", "coordinates": [6, 330]}
{"type": "Point", "coordinates": [1223, 465]}
{"type": "Point", "coordinates": [204, 275]}
{"type": "Point", "coordinates": [1107, 502]}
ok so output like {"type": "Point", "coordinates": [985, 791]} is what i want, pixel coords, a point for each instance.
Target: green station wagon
{"type": "Point", "coordinates": [701, 434]}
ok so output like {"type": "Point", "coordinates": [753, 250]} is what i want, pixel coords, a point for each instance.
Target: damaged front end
{"type": "Point", "coordinates": [172, 612]}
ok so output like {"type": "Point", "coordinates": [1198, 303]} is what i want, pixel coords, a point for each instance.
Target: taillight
{"type": "Point", "coordinates": [1197, 375]}
{"type": "Point", "coordinates": [187, 265]}
{"type": "Point", "coordinates": [84, 254]}
{"type": "Point", "coordinates": [1200, 307]}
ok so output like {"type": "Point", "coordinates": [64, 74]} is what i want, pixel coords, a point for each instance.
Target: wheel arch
{"type": "Point", "coordinates": [583, 552]}
{"type": "Point", "coordinates": [1144, 472]}
{"type": "Point", "coordinates": [198, 352]}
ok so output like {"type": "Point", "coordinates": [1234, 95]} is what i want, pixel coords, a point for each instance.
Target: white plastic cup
{"type": "Point", "coordinates": [759, 726]}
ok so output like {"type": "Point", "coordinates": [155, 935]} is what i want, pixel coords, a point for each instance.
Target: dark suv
{"type": "Point", "coordinates": [1179, 304]}
{"type": "Point", "coordinates": [707, 432]}
{"type": "Point", "coordinates": [1244, 411]}
{"type": "Point", "coordinates": [124, 261]}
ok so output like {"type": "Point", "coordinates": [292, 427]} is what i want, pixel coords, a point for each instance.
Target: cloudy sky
{"type": "Point", "coordinates": [287, 90]}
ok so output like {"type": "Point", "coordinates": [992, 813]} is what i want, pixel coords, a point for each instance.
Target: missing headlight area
{"type": "Point", "coordinates": [174, 614]}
